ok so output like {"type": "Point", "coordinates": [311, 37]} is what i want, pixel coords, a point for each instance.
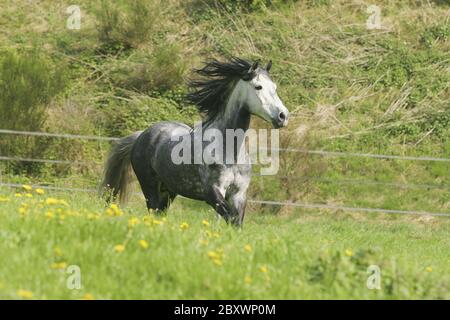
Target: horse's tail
{"type": "Point", "coordinates": [117, 174]}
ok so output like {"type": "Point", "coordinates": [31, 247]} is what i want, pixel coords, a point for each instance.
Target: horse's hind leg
{"type": "Point", "coordinates": [165, 198]}
{"type": "Point", "coordinates": [149, 183]}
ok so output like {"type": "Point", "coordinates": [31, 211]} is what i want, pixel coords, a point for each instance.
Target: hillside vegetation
{"type": "Point", "coordinates": [348, 88]}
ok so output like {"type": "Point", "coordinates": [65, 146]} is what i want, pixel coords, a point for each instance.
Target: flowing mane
{"type": "Point", "coordinates": [210, 92]}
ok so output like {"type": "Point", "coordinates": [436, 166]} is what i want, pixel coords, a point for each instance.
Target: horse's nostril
{"type": "Point", "coordinates": [282, 116]}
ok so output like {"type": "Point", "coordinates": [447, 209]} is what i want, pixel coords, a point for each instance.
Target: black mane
{"type": "Point", "coordinates": [210, 92]}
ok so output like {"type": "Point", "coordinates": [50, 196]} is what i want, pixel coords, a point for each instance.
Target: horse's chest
{"type": "Point", "coordinates": [234, 179]}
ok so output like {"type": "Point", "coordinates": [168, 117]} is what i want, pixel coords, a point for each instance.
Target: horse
{"type": "Point", "coordinates": [226, 93]}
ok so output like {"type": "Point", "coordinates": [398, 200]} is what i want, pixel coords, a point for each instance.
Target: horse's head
{"type": "Point", "coordinates": [262, 97]}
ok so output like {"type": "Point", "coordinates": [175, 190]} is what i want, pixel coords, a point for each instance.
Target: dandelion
{"type": "Point", "coordinates": [27, 187]}
{"type": "Point", "coordinates": [2, 199]}
{"type": "Point", "coordinates": [217, 262]}
{"type": "Point", "coordinates": [143, 244]}
{"type": "Point", "coordinates": [429, 269]}
{"type": "Point", "coordinates": [49, 215]}
{"type": "Point", "coordinates": [133, 222]}
{"type": "Point", "coordinates": [93, 216]}
{"type": "Point", "coordinates": [119, 248]}
{"type": "Point", "coordinates": [51, 201]}
{"type": "Point", "coordinates": [348, 252]}
{"type": "Point", "coordinates": [248, 248]}
{"type": "Point", "coordinates": [26, 294]}
{"type": "Point", "coordinates": [39, 191]}
{"type": "Point", "coordinates": [54, 201]}
{"type": "Point", "coordinates": [205, 223]}
{"type": "Point", "coordinates": [17, 195]}
{"type": "Point", "coordinates": [57, 251]}
{"type": "Point", "coordinates": [88, 296]}
{"type": "Point", "coordinates": [264, 269]}
{"type": "Point", "coordinates": [58, 265]}
{"type": "Point", "coordinates": [247, 279]}
{"type": "Point", "coordinates": [184, 226]}
{"type": "Point", "coordinates": [114, 210]}
{"type": "Point", "coordinates": [23, 211]}
{"type": "Point", "coordinates": [214, 255]}
{"type": "Point", "coordinates": [28, 195]}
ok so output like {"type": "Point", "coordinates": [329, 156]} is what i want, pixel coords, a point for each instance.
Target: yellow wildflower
{"type": "Point", "coordinates": [247, 279]}
{"type": "Point", "coordinates": [264, 269]}
{"type": "Point", "coordinates": [214, 255]}
{"type": "Point", "coordinates": [429, 269]}
{"type": "Point", "coordinates": [184, 226]}
{"type": "Point", "coordinates": [23, 210]}
{"type": "Point", "coordinates": [88, 296]}
{"type": "Point", "coordinates": [119, 248]}
{"type": "Point", "coordinates": [17, 195]}
{"type": "Point", "coordinates": [248, 248]}
{"type": "Point", "coordinates": [27, 187]}
{"type": "Point", "coordinates": [57, 251]}
{"type": "Point", "coordinates": [49, 215]}
{"type": "Point", "coordinates": [28, 195]}
{"type": "Point", "coordinates": [114, 210]}
{"type": "Point", "coordinates": [217, 262]}
{"type": "Point", "coordinates": [348, 252]}
{"type": "Point", "coordinates": [39, 191]}
{"type": "Point", "coordinates": [51, 201]}
{"type": "Point", "coordinates": [58, 265]}
{"type": "Point", "coordinates": [2, 199]}
{"type": "Point", "coordinates": [133, 222]}
{"type": "Point", "coordinates": [157, 222]}
{"type": "Point", "coordinates": [205, 223]}
{"type": "Point", "coordinates": [26, 294]}
{"type": "Point", "coordinates": [143, 243]}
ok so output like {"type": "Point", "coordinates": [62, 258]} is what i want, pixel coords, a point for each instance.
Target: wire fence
{"type": "Point", "coordinates": [256, 201]}
{"type": "Point", "coordinates": [269, 202]}
{"type": "Point", "coordinates": [316, 152]}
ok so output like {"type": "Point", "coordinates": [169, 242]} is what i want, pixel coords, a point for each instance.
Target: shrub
{"type": "Point", "coordinates": [159, 71]}
{"type": "Point", "coordinates": [142, 111]}
{"type": "Point", "coordinates": [127, 25]}
{"type": "Point", "coordinates": [28, 82]}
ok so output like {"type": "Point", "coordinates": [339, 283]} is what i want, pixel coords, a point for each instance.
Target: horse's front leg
{"type": "Point", "coordinates": [238, 202]}
{"type": "Point", "coordinates": [215, 197]}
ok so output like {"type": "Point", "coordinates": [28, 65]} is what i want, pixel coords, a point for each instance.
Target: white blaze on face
{"type": "Point", "coordinates": [264, 101]}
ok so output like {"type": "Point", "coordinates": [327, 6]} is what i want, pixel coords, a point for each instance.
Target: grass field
{"type": "Point", "coordinates": [191, 254]}
{"type": "Point", "coordinates": [349, 88]}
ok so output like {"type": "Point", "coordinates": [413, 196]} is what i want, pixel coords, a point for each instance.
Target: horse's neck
{"type": "Point", "coordinates": [235, 115]}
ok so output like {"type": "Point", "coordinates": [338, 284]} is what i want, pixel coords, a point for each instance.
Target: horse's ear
{"type": "Point", "coordinates": [254, 66]}
{"type": "Point", "coordinates": [269, 65]}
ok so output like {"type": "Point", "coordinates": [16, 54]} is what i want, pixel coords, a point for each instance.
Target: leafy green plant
{"type": "Point", "coordinates": [28, 82]}
{"type": "Point", "coordinates": [125, 25]}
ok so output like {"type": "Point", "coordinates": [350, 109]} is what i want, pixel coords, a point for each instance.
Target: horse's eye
{"type": "Point", "coordinates": [258, 87]}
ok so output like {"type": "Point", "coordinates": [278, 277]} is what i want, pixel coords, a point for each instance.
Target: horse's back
{"type": "Point", "coordinates": [152, 152]}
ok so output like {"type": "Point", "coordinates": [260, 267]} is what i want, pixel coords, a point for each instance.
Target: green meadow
{"type": "Point", "coordinates": [191, 254]}
{"type": "Point", "coordinates": [349, 88]}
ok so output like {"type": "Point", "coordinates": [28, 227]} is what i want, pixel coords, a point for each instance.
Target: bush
{"type": "Point", "coordinates": [127, 25]}
{"type": "Point", "coordinates": [159, 71]}
{"type": "Point", "coordinates": [28, 82]}
{"type": "Point", "coordinates": [142, 111]}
